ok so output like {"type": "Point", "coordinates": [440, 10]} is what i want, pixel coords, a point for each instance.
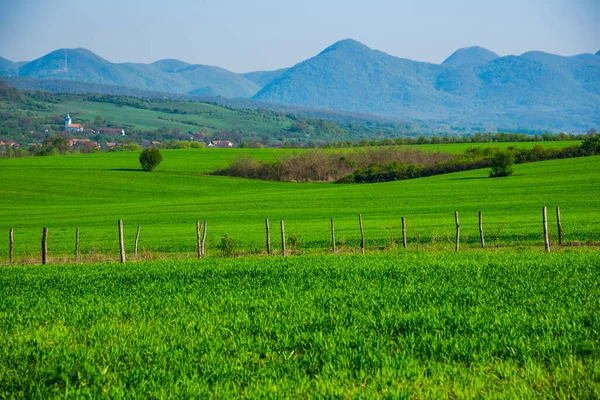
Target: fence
{"type": "Point", "coordinates": [290, 244]}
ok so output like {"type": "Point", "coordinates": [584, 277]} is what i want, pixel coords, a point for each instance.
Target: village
{"type": "Point", "coordinates": [81, 144]}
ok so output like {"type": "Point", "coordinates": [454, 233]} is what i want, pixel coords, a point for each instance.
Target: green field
{"type": "Point", "coordinates": [92, 192]}
{"type": "Point", "coordinates": [426, 325]}
{"type": "Point", "coordinates": [208, 117]}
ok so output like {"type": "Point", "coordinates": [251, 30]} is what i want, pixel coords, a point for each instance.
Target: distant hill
{"type": "Point", "coordinates": [535, 90]}
{"type": "Point", "coordinates": [262, 78]}
{"type": "Point", "coordinates": [598, 53]}
{"type": "Point", "coordinates": [166, 75]}
{"type": "Point", "coordinates": [470, 56]}
{"type": "Point", "coordinates": [474, 88]}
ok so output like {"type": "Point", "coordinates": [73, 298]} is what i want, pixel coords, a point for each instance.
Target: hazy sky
{"type": "Point", "coordinates": [268, 34]}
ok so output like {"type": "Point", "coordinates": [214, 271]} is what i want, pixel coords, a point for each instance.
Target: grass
{"type": "Point", "coordinates": [206, 117]}
{"type": "Point", "coordinates": [420, 325]}
{"type": "Point", "coordinates": [92, 192]}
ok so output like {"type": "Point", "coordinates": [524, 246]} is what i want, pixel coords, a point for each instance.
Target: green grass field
{"type": "Point", "coordinates": [92, 192]}
{"type": "Point", "coordinates": [208, 117]}
{"type": "Point", "coordinates": [426, 325]}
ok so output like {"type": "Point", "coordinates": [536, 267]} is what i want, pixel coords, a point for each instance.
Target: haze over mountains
{"type": "Point", "coordinates": [472, 87]}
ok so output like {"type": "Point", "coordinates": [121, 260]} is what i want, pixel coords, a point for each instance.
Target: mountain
{"type": "Point", "coordinates": [470, 56]}
{"type": "Point", "coordinates": [9, 68]}
{"type": "Point", "coordinates": [535, 90]}
{"type": "Point", "coordinates": [163, 76]}
{"type": "Point", "coordinates": [598, 53]}
{"type": "Point", "coordinates": [262, 78]}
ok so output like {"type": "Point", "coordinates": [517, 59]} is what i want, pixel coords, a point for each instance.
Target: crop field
{"type": "Point", "coordinates": [421, 325]}
{"type": "Point", "coordinates": [92, 192]}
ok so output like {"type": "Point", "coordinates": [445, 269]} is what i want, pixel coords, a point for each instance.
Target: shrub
{"type": "Point", "coordinates": [150, 159]}
{"type": "Point", "coordinates": [228, 246]}
{"type": "Point", "coordinates": [502, 163]}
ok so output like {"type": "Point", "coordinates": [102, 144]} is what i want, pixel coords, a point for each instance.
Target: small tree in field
{"type": "Point", "coordinates": [150, 158]}
{"type": "Point", "coordinates": [502, 163]}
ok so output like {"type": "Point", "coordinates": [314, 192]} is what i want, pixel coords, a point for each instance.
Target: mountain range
{"type": "Point", "coordinates": [473, 86]}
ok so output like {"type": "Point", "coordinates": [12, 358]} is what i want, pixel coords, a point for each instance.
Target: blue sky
{"type": "Point", "coordinates": [267, 34]}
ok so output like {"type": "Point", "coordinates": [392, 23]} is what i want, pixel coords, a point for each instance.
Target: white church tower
{"type": "Point", "coordinates": [67, 122]}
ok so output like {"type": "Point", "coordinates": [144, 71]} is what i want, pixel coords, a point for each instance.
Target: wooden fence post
{"type": "Point", "coordinates": [362, 234]}
{"type": "Point", "coordinates": [121, 241]}
{"type": "Point", "coordinates": [77, 245]}
{"type": "Point", "coordinates": [457, 248]}
{"type": "Point", "coordinates": [282, 238]}
{"type": "Point", "coordinates": [268, 235]}
{"type": "Point", "coordinates": [137, 238]}
{"type": "Point", "coordinates": [198, 240]}
{"type": "Point", "coordinates": [545, 221]}
{"type": "Point", "coordinates": [560, 233]}
{"type": "Point", "coordinates": [481, 237]}
{"type": "Point", "coordinates": [404, 232]}
{"type": "Point", "coordinates": [332, 236]}
{"type": "Point", "coordinates": [203, 238]}
{"type": "Point", "coordinates": [45, 246]}
{"type": "Point", "coordinates": [11, 239]}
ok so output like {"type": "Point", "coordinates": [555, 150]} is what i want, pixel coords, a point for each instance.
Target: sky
{"type": "Point", "coordinates": [243, 36]}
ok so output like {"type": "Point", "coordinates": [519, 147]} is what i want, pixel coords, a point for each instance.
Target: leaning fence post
{"type": "Point", "coordinates": [121, 241]}
{"type": "Point", "coordinates": [203, 238]}
{"type": "Point", "coordinates": [560, 233]}
{"type": "Point", "coordinates": [332, 236]}
{"type": "Point", "coordinates": [481, 238]}
{"type": "Point", "coordinates": [457, 231]}
{"type": "Point", "coordinates": [45, 246]}
{"type": "Point", "coordinates": [137, 238]}
{"type": "Point", "coordinates": [77, 244]}
{"type": "Point", "coordinates": [198, 240]}
{"type": "Point", "coordinates": [282, 238]}
{"type": "Point", "coordinates": [11, 239]}
{"type": "Point", "coordinates": [268, 235]}
{"type": "Point", "coordinates": [362, 234]}
{"type": "Point", "coordinates": [545, 221]}
{"type": "Point", "coordinates": [404, 232]}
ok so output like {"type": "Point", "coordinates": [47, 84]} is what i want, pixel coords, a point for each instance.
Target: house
{"type": "Point", "coordinates": [111, 145]}
{"type": "Point", "coordinates": [78, 142]}
{"type": "Point", "coordinates": [114, 131]}
{"type": "Point", "coordinates": [70, 127]}
{"type": "Point", "coordinates": [220, 144]}
{"type": "Point", "coordinates": [14, 145]}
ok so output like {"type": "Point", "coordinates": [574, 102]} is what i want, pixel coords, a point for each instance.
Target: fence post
{"type": "Point", "coordinates": [481, 237]}
{"type": "Point", "coordinates": [11, 239]}
{"type": "Point", "coordinates": [282, 238]}
{"type": "Point", "coordinates": [121, 241]}
{"type": "Point", "coordinates": [545, 221]}
{"type": "Point", "coordinates": [45, 246]}
{"type": "Point", "coordinates": [77, 245]}
{"type": "Point", "coordinates": [362, 234]}
{"type": "Point", "coordinates": [404, 232]}
{"type": "Point", "coordinates": [137, 238]}
{"type": "Point", "coordinates": [203, 238]}
{"type": "Point", "coordinates": [268, 235]}
{"type": "Point", "coordinates": [560, 233]}
{"type": "Point", "coordinates": [457, 231]}
{"type": "Point", "coordinates": [198, 239]}
{"type": "Point", "coordinates": [332, 236]}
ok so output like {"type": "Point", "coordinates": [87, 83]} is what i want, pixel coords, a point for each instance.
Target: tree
{"type": "Point", "coordinates": [502, 163]}
{"type": "Point", "coordinates": [150, 158]}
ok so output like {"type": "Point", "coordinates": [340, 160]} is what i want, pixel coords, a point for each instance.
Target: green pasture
{"type": "Point", "coordinates": [209, 117]}
{"type": "Point", "coordinates": [92, 192]}
{"type": "Point", "coordinates": [421, 325]}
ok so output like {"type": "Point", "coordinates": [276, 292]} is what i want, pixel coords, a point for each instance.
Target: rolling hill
{"type": "Point", "coordinates": [173, 76]}
{"type": "Point", "coordinates": [473, 89]}
{"type": "Point", "coordinates": [471, 56]}
{"type": "Point", "coordinates": [536, 90]}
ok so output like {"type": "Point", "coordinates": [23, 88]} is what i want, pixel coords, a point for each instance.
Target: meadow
{"type": "Point", "coordinates": [422, 325]}
{"type": "Point", "coordinates": [92, 192]}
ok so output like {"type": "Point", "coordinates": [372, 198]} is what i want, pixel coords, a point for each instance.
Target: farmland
{"type": "Point", "coordinates": [424, 325]}
{"type": "Point", "coordinates": [92, 192]}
